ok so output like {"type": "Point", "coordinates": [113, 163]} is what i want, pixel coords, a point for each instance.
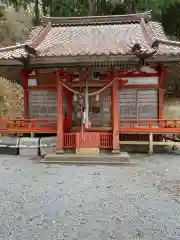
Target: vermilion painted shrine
{"type": "Point", "coordinates": [91, 80]}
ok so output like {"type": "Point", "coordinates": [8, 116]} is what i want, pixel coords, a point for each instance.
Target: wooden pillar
{"type": "Point", "coordinates": [24, 76]}
{"type": "Point", "coordinates": [60, 130]}
{"type": "Point", "coordinates": [115, 121]}
{"type": "Point", "coordinates": [26, 104]}
{"type": "Point", "coordinates": [69, 107]}
{"type": "Point", "coordinates": [161, 93]}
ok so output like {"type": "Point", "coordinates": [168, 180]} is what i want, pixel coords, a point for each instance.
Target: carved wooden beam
{"type": "Point", "coordinates": [155, 44]}
{"type": "Point", "coordinates": [143, 54]}
{"type": "Point", "coordinates": [30, 50]}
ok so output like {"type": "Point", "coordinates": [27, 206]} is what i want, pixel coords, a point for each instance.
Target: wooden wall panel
{"type": "Point", "coordinates": [43, 103]}
{"type": "Point", "coordinates": [141, 80]}
{"type": "Point", "coordinates": [147, 103]}
{"type": "Point", "coordinates": [138, 103]}
{"type": "Point", "coordinates": [127, 106]}
{"type": "Point", "coordinates": [106, 111]}
{"type": "Point", "coordinates": [46, 79]}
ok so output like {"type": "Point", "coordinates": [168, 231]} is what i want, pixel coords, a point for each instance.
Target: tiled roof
{"type": "Point", "coordinates": [91, 40]}
{"type": "Point", "coordinates": [102, 35]}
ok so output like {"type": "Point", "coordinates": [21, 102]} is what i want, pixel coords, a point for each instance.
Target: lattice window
{"type": "Point", "coordinates": [137, 103]}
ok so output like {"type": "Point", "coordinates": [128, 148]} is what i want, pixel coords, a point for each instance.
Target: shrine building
{"type": "Point", "coordinates": [90, 80]}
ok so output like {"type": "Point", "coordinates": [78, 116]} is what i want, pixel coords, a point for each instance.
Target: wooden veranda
{"type": "Point", "coordinates": [104, 138]}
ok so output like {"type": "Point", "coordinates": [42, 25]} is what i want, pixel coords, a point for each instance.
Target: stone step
{"type": "Point", "coordinates": [83, 162]}
{"type": "Point", "coordinates": [122, 158]}
{"type": "Point", "coordinates": [87, 151]}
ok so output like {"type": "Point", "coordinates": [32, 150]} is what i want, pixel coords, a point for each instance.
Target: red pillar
{"type": "Point", "coordinates": [115, 122]}
{"type": "Point", "coordinates": [161, 93]}
{"type": "Point", "coordinates": [69, 107]}
{"type": "Point", "coordinates": [26, 104]}
{"type": "Point", "coordinates": [24, 76]}
{"type": "Point", "coordinates": [60, 130]}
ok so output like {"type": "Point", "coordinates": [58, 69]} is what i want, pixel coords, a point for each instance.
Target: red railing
{"type": "Point", "coordinates": [106, 140]}
{"type": "Point", "coordinates": [49, 125]}
{"type": "Point", "coordinates": [44, 125]}
{"type": "Point", "coordinates": [70, 140]}
{"type": "Point", "coordinates": [146, 125]}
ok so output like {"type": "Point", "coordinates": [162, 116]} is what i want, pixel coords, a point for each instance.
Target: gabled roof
{"type": "Point", "coordinates": [126, 37]}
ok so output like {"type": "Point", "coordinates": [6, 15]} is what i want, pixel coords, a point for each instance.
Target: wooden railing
{"type": "Point", "coordinates": [21, 125]}
{"type": "Point", "coordinates": [106, 140]}
{"type": "Point", "coordinates": [131, 126]}
{"type": "Point", "coordinates": [156, 126]}
{"type": "Point", "coordinates": [70, 140]}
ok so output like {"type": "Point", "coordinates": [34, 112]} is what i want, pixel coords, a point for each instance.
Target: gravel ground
{"type": "Point", "coordinates": [90, 202]}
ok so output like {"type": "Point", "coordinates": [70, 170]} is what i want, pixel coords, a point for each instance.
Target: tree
{"type": "Point", "coordinates": [1, 12]}
{"type": "Point", "coordinates": [161, 9]}
{"type": "Point", "coordinates": [170, 17]}
{"type": "Point", "coordinates": [14, 26]}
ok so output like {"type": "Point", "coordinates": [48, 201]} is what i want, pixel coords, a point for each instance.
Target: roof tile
{"type": "Point", "coordinates": [92, 40]}
{"type": "Point", "coordinates": [89, 39]}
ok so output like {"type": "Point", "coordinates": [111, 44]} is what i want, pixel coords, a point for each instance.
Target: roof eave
{"type": "Point", "coordinates": [10, 62]}
{"type": "Point", "coordinates": [164, 58]}
{"type": "Point", "coordinates": [11, 74]}
{"type": "Point", "coordinates": [83, 59]}
{"type": "Point", "coordinates": [93, 59]}
{"type": "Point", "coordinates": [89, 59]}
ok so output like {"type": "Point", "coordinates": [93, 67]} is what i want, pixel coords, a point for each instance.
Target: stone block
{"type": "Point", "coordinates": [29, 146]}
{"type": "Point", "coordinates": [47, 145]}
{"type": "Point", "coordinates": [9, 145]}
{"type": "Point", "coordinates": [87, 151]}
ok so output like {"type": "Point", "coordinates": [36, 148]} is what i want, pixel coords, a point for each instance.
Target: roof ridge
{"type": "Point", "coordinates": [164, 41]}
{"type": "Point", "coordinates": [149, 38]}
{"type": "Point", "coordinates": [40, 36]}
{"type": "Point", "coordinates": [92, 20]}
{"type": "Point", "coordinates": [11, 48]}
{"type": "Point", "coordinates": [168, 42]}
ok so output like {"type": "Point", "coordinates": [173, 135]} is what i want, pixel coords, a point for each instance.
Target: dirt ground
{"type": "Point", "coordinates": [90, 202]}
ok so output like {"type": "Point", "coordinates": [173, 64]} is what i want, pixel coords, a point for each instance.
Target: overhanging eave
{"type": "Point", "coordinates": [12, 74]}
